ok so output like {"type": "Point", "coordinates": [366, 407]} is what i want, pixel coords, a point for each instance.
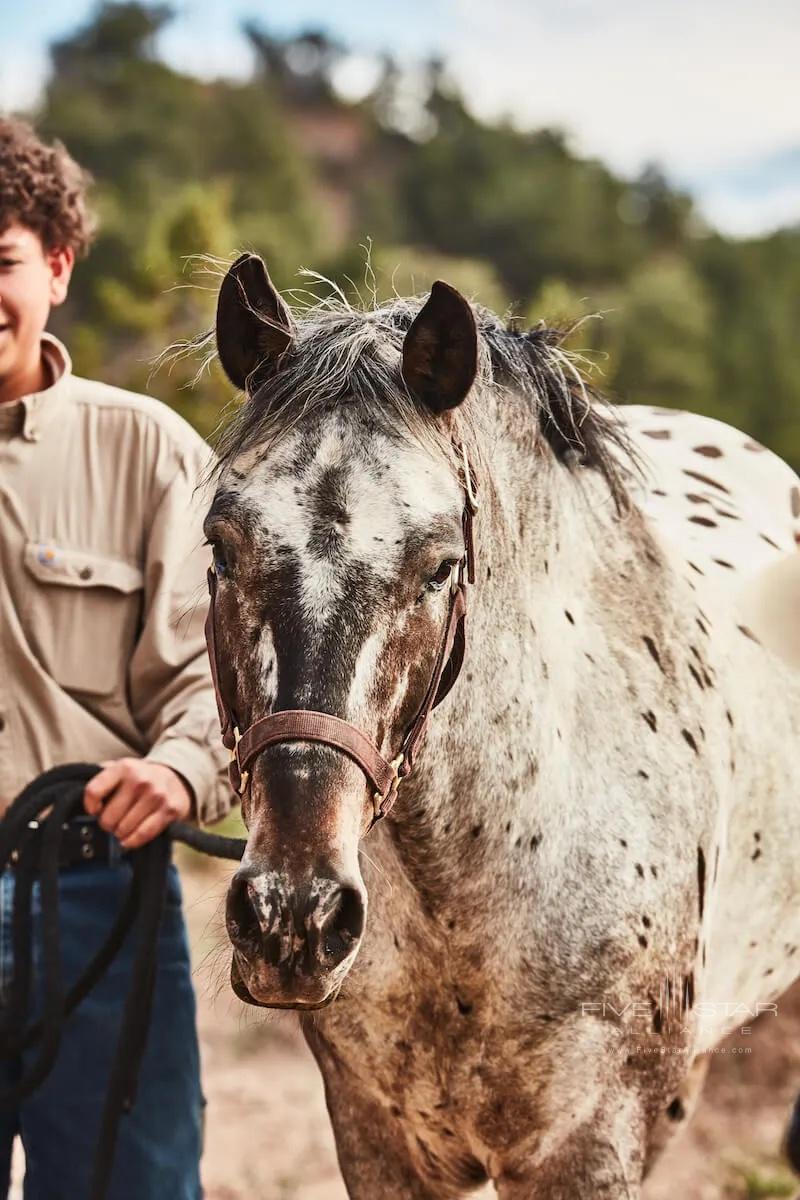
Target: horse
{"type": "Point", "coordinates": [580, 871]}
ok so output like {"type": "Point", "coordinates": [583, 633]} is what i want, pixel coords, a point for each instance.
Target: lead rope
{"type": "Point", "coordinates": [31, 842]}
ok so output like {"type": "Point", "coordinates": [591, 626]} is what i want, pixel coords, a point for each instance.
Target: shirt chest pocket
{"type": "Point", "coordinates": [82, 616]}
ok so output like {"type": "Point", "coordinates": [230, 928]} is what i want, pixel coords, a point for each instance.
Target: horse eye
{"type": "Point", "coordinates": [437, 581]}
{"type": "Point", "coordinates": [220, 561]}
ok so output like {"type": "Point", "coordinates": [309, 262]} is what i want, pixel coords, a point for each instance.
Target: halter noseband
{"type": "Point", "coordinates": [306, 725]}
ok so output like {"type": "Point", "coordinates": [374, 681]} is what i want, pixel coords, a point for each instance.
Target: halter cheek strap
{"type": "Point", "coordinates": [306, 725]}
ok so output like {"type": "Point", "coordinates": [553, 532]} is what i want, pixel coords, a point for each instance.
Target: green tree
{"type": "Point", "coordinates": [659, 337]}
{"type": "Point", "coordinates": [280, 164]}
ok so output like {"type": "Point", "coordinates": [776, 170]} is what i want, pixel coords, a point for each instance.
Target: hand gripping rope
{"type": "Point", "coordinates": [30, 842]}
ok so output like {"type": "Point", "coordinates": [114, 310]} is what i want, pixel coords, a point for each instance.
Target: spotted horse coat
{"type": "Point", "coordinates": [591, 874]}
{"type": "Point", "coordinates": [728, 510]}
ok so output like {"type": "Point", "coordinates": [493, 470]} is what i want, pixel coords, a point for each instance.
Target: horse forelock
{"type": "Point", "coordinates": [346, 357]}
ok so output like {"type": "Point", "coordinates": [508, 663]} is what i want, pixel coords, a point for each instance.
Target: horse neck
{"type": "Point", "coordinates": [497, 743]}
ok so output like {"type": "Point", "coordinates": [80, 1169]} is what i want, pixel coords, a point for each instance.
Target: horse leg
{"type": "Point", "coordinates": [583, 1165]}
{"type": "Point", "coordinates": [372, 1148]}
{"type": "Point", "coordinates": [373, 1153]}
{"type": "Point", "coordinates": [591, 1163]}
{"type": "Point", "coordinates": [587, 1165]}
{"type": "Point", "coordinates": [600, 1156]}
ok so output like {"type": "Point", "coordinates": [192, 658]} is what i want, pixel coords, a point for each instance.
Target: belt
{"type": "Point", "coordinates": [83, 841]}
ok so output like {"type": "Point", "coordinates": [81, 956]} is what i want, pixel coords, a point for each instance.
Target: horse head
{"type": "Point", "coordinates": [340, 533]}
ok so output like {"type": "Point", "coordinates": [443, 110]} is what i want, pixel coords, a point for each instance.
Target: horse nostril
{"type": "Point", "coordinates": [341, 925]}
{"type": "Point", "coordinates": [252, 918]}
{"type": "Point", "coordinates": [240, 918]}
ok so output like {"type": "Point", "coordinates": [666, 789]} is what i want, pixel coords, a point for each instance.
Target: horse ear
{"type": "Point", "coordinates": [440, 351]}
{"type": "Point", "coordinates": [253, 322]}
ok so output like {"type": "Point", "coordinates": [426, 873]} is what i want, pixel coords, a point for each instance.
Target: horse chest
{"type": "Point", "coordinates": [454, 1082]}
{"type": "Point", "coordinates": [455, 1046]}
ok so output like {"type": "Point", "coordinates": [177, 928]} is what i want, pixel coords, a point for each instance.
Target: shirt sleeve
{"type": "Point", "coordinates": [169, 678]}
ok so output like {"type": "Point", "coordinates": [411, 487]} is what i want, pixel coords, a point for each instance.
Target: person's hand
{"type": "Point", "coordinates": [136, 799]}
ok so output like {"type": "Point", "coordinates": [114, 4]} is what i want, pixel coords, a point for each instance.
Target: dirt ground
{"type": "Point", "coordinates": [268, 1135]}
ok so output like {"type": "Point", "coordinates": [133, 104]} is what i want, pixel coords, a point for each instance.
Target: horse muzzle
{"type": "Point", "coordinates": [292, 945]}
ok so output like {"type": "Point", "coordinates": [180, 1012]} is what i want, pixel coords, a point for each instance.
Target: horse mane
{"type": "Point", "coordinates": [348, 356]}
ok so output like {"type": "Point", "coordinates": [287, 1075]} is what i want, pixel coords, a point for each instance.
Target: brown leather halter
{"type": "Point", "coordinates": [305, 725]}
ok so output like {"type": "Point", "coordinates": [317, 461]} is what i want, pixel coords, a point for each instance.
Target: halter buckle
{"type": "Point", "coordinates": [379, 800]}
{"type": "Point", "coordinates": [244, 776]}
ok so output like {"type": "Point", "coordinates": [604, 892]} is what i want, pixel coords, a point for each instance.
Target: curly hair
{"type": "Point", "coordinates": [43, 188]}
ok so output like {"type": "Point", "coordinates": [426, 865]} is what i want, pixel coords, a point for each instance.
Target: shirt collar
{"type": "Point", "coordinates": [27, 416]}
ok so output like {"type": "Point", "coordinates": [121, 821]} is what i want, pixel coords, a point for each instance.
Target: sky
{"type": "Point", "coordinates": [708, 89]}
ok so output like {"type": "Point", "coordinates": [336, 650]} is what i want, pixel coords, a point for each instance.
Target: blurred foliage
{"type": "Point", "coordinates": [281, 164]}
{"type": "Point", "coordinates": [769, 1183]}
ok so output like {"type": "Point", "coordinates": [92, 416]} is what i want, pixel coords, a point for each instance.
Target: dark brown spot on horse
{"type": "Point", "coordinates": [696, 676]}
{"type": "Point", "coordinates": [689, 739]}
{"type": "Point", "coordinates": [653, 651]}
{"type": "Point", "coordinates": [705, 479]}
{"type": "Point", "coordinates": [701, 880]}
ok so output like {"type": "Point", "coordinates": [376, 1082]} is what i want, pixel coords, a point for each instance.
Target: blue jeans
{"type": "Point", "coordinates": [159, 1144]}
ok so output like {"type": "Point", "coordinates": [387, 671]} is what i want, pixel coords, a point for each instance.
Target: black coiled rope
{"type": "Point", "coordinates": [32, 842]}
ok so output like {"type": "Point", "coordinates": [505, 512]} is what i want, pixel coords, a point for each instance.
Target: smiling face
{"type": "Point", "coordinates": [32, 280]}
{"type": "Point", "coordinates": [334, 538]}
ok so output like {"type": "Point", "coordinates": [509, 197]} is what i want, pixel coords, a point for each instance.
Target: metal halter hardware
{"type": "Point", "coordinates": [306, 725]}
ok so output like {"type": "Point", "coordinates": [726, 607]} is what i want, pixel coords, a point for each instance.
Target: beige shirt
{"type": "Point", "coordinates": [102, 587]}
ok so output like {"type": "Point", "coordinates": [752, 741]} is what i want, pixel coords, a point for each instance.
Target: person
{"type": "Point", "coordinates": [102, 659]}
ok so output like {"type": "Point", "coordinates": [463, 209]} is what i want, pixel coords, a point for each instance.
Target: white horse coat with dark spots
{"type": "Point", "coordinates": [591, 875]}
{"type": "Point", "coordinates": [730, 509]}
